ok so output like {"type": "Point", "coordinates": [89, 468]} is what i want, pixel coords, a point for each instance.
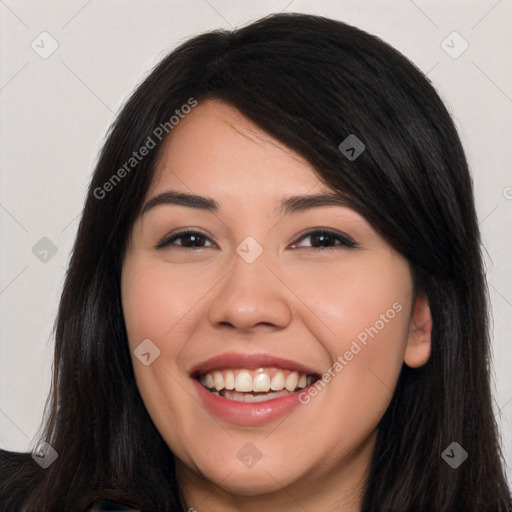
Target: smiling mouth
{"type": "Point", "coordinates": [260, 385]}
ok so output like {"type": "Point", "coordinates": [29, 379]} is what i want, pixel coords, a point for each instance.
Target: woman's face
{"type": "Point", "coordinates": [257, 297]}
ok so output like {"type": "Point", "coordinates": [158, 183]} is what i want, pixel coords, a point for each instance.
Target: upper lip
{"type": "Point", "coordinates": [234, 360]}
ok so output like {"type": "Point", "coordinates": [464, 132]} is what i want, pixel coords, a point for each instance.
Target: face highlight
{"type": "Point", "coordinates": [242, 291]}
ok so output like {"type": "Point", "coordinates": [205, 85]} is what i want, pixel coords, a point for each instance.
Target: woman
{"type": "Point", "coordinates": [276, 297]}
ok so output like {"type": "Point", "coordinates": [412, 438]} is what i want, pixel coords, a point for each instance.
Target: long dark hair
{"type": "Point", "coordinates": [310, 82]}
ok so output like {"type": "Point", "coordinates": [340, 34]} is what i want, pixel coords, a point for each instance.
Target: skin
{"type": "Point", "coordinates": [293, 301]}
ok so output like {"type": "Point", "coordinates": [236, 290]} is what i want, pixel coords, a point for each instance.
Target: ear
{"type": "Point", "coordinates": [417, 350]}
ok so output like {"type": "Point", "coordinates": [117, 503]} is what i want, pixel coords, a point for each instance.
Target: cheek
{"type": "Point", "coordinates": [162, 305]}
{"type": "Point", "coordinates": [365, 297]}
{"type": "Point", "coordinates": [155, 301]}
{"type": "Point", "coordinates": [364, 313]}
{"type": "Point", "coordinates": [155, 307]}
{"type": "Point", "coordinates": [151, 308]}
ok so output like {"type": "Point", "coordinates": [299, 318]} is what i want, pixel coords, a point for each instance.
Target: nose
{"type": "Point", "coordinates": [251, 295]}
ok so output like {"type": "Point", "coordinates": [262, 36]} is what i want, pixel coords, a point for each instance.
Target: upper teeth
{"type": "Point", "coordinates": [259, 381]}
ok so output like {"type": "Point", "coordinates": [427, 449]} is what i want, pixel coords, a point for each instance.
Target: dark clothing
{"type": "Point", "coordinates": [111, 506]}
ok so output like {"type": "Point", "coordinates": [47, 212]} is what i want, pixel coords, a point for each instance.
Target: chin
{"type": "Point", "coordinates": [252, 482]}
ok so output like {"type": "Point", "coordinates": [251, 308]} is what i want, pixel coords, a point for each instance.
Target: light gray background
{"type": "Point", "coordinates": [56, 111]}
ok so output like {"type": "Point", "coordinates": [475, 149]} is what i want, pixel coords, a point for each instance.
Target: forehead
{"type": "Point", "coordinates": [215, 150]}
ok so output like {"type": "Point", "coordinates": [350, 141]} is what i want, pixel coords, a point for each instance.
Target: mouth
{"type": "Point", "coordinates": [260, 385]}
{"type": "Point", "coordinates": [252, 379]}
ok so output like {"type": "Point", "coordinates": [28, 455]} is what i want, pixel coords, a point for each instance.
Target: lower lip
{"type": "Point", "coordinates": [244, 413]}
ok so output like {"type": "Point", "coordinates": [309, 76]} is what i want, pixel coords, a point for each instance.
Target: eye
{"type": "Point", "coordinates": [190, 240]}
{"type": "Point", "coordinates": [327, 239]}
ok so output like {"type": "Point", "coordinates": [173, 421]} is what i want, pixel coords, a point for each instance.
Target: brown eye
{"type": "Point", "coordinates": [326, 239]}
{"type": "Point", "coordinates": [188, 240]}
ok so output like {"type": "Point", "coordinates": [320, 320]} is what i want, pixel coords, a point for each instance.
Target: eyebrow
{"type": "Point", "coordinates": [287, 206]}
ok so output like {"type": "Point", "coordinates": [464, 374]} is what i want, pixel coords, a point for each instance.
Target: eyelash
{"type": "Point", "coordinates": [345, 240]}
